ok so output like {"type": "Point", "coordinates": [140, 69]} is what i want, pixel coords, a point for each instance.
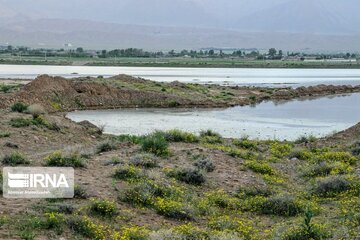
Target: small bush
{"type": "Point", "coordinates": [320, 169]}
{"type": "Point", "coordinates": [106, 146]}
{"type": "Point", "coordinates": [80, 192]}
{"type": "Point", "coordinates": [258, 167]}
{"type": "Point", "coordinates": [305, 139]}
{"type": "Point", "coordinates": [4, 134]}
{"type": "Point", "coordinates": [172, 209]}
{"type": "Point", "coordinates": [145, 160]}
{"type": "Point", "coordinates": [103, 208]}
{"type": "Point", "coordinates": [332, 157]}
{"type": "Point", "coordinates": [134, 233]}
{"type": "Point", "coordinates": [156, 144]}
{"type": "Point", "coordinates": [86, 228]}
{"type": "Point", "coordinates": [15, 159]}
{"type": "Point", "coordinates": [280, 150]}
{"type": "Point", "coordinates": [281, 206]}
{"type": "Point", "coordinates": [205, 164]}
{"type": "Point", "coordinates": [19, 107]}
{"type": "Point", "coordinates": [209, 133]}
{"type": "Point", "coordinates": [36, 110]}
{"type": "Point", "coordinates": [20, 122]}
{"type": "Point", "coordinates": [308, 230]}
{"type": "Point", "coordinates": [142, 193]}
{"type": "Point", "coordinates": [332, 186]}
{"type": "Point", "coordinates": [56, 159]}
{"type": "Point", "coordinates": [189, 232]}
{"type": "Point", "coordinates": [128, 173]}
{"type": "Point", "coordinates": [188, 175]}
{"type": "Point", "coordinates": [245, 143]}
{"type": "Point", "coordinates": [180, 136]}
{"type": "Point", "coordinates": [54, 221]}
{"type": "Point", "coordinates": [211, 140]}
{"type": "Point", "coordinates": [129, 138]}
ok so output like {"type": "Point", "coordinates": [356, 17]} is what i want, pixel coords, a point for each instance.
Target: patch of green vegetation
{"type": "Point", "coordinates": [57, 159]}
{"type": "Point", "coordinates": [188, 175]}
{"type": "Point", "coordinates": [20, 122]}
{"type": "Point", "coordinates": [4, 134]}
{"type": "Point", "coordinates": [103, 208]}
{"type": "Point", "coordinates": [106, 146]}
{"type": "Point", "coordinates": [6, 88]}
{"type": "Point", "coordinates": [19, 107]}
{"type": "Point", "coordinates": [307, 230]}
{"type": "Point", "coordinates": [180, 136]}
{"type": "Point", "coordinates": [155, 144]}
{"type": "Point", "coordinates": [332, 186]}
{"type": "Point", "coordinates": [15, 159]}
{"type": "Point", "coordinates": [260, 167]}
{"type": "Point", "coordinates": [145, 160]}
{"type": "Point", "coordinates": [128, 172]}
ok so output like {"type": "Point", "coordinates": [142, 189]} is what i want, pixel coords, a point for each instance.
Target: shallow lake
{"type": "Point", "coordinates": [268, 120]}
{"type": "Point", "coordinates": [224, 76]}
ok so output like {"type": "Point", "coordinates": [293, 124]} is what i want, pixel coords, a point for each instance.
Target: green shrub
{"type": "Point", "coordinates": [54, 221]}
{"type": "Point", "coordinates": [305, 139]}
{"type": "Point", "coordinates": [144, 192]}
{"type": "Point", "coordinates": [19, 107]}
{"type": "Point", "coordinates": [15, 159]}
{"type": "Point", "coordinates": [245, 143]}
{"type": "Point", "coordinates": [258, 167]}
{"type": "Point", "coordinates": [126, 172]}
{"type": "Point", "coordinates": [106, 146]}
{"type": "Point", "coordinates": [319, 169]}
{"type": "Point", "coordinates": [209, 133]}
{"type": "Point", "coordinates": [205, 164]}
{"type": "Point", "coordinates": [281, 206]}
{"type": "Point", "coordinates": [20, 122]}
{"type": "Point", "coordinates": [180, 136]}
{"type": "Point", "coordinates": [308, 230]}
{"type": "Point", "coordinates": [145, 160]}
{"type": "Point", "coordinates": [332, 186]}
{"type": "Point", "coordinates": [172, 209]}
{"type": "Point", "coordinates": [331, 157]}
{"type": "Point", "coordinates": [80, 192]}
{"type": "Point", "coordinates": [4, 134]}
{"type": "Point", "coordinates": [103, 208]}
{"type": "Point", "coordinates": [129, 138]}
{"type": "Point", "coordinates": [56, 159]}
{"type": "Point", "coordinates": [211, 139]}
{"type": "Point", "coordinates": [188, 175]}
{"type": "Point", "coordinates": [280, 150]}
{"type": "Point", "coordinates": [156, 144]}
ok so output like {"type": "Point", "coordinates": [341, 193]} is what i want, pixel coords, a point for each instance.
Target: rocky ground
{"type": "Point", "coordinates": [183, 186]}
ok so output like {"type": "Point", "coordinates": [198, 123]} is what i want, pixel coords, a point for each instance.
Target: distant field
{"type": "Point", "coordinates": [174, 62]}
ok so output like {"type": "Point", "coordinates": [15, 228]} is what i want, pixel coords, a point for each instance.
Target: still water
{"type": "Point", "coordinates": [224, 76]}
{"type": "Point", "coordinates": [268, 120]}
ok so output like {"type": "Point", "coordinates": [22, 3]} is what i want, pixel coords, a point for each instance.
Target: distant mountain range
{"type": "Point", "coordinates": [313, 25]}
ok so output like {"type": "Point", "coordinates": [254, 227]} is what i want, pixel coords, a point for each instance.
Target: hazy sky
{"type": "Point", "coordinates": [289, 24]}
{"type": "Point", "coordinates": [210, 13]}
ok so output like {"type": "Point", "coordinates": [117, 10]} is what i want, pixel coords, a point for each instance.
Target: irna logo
{"type": "Point", "coordinates": [38, 182]}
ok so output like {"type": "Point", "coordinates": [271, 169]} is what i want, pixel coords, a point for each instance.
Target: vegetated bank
{"type": "Point", "coordinates": [173, 185]}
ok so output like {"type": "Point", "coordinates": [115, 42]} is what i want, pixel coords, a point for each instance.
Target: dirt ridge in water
{"type": "Point", "coordinates": [58, 94]}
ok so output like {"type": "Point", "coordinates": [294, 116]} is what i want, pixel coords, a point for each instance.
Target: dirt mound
{"type": "Point", "coordinates": [60, 94]}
